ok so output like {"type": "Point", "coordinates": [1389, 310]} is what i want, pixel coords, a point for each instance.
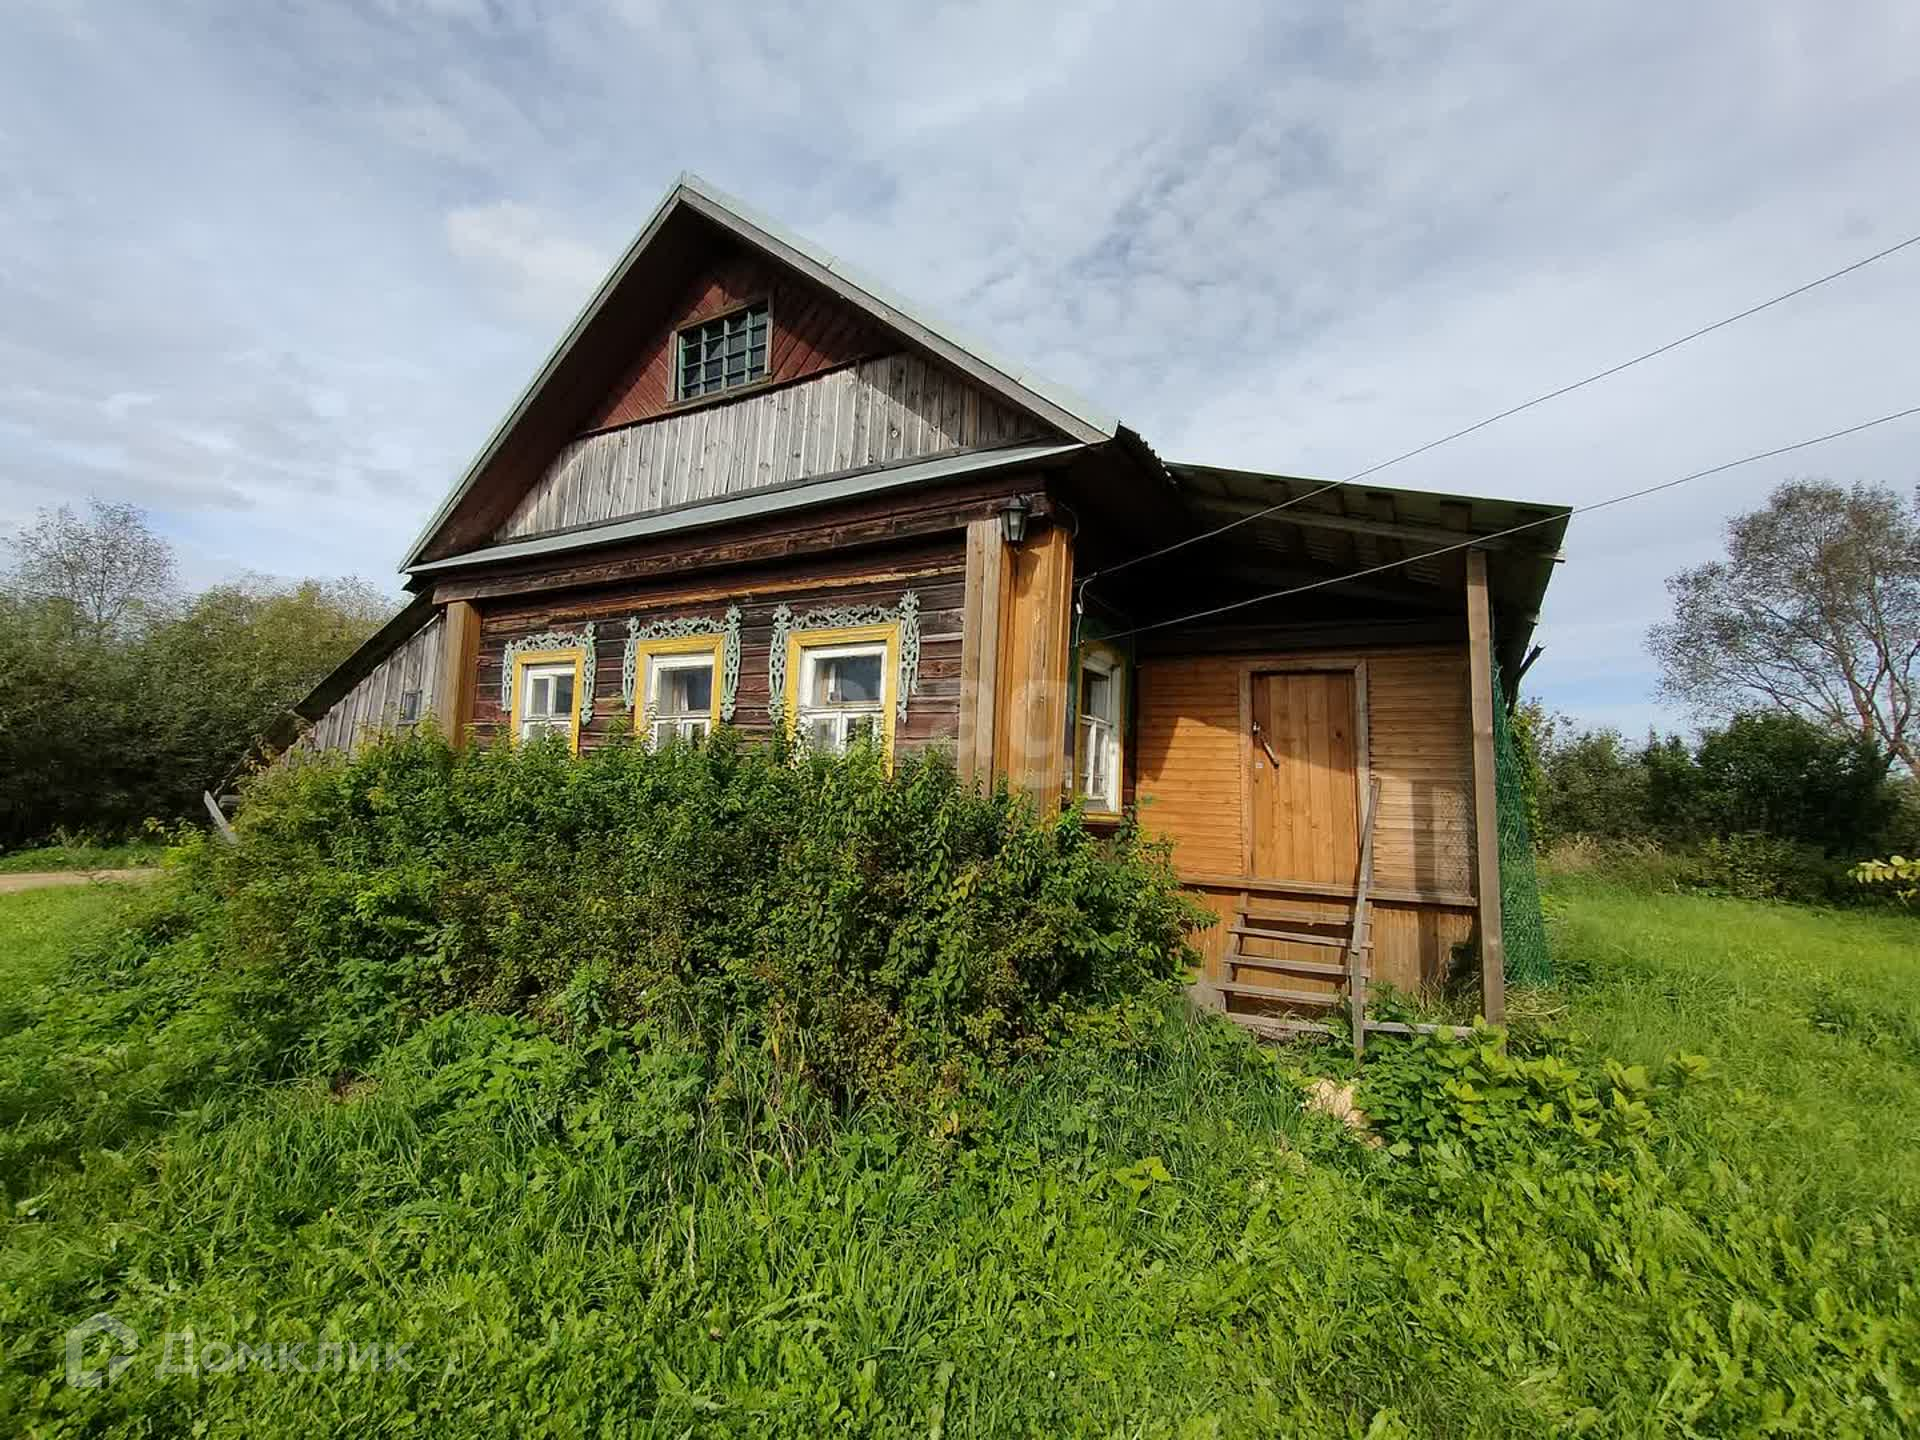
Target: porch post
{"type": "Point", "coordinates": [459, 669]}
{"type": "Point", "coordinates": [1486, 809]}
{"type": "Point", "coordinates": [980, 649]}
{"type": "Point", "coordinates": [1030, 686]}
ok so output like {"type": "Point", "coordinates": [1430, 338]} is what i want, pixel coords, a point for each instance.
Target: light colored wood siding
{"type": "Point", "coordinates": [374, 704]}
{"type": "Point", "coordinates": [897, 407]}
{"type": "Point", "coordinates": [1420, 733]}
{"type": "Point", "coordinates": [1191, 747]}
{"type": "Point", "coordinates": [1030, 679]}
{"type": "Point", "coordinates": [1189, 759]}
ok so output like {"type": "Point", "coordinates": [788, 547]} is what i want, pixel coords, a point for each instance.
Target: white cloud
{"type": "Point", "coordinates": [545, 271]}
{"type": "Point", "coordinates": [342, 237]}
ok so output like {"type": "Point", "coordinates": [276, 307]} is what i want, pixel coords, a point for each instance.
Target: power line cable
{"type": "Point", "coordinates": [1469, 544]}
{"type": "Point", "coordinates": [1510, 411]}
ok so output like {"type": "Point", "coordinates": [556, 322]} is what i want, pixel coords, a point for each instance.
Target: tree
{"type": "Point", "coordinates": [1784, 775]}
{"type": "Point", "coordinates": [111, 570]}
{"type": "Point", "coordinates": [100, 735]}
{"type": "Point", "coordinates": [1815, 611]}
{"type": "Point", "coordinates": [1590, 784]}
{"type": "Point", "coordinates": [235, 658]}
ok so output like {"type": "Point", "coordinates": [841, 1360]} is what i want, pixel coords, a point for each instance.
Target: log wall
{"type": "Point", "coordinates": [375, 703]}
{"type": "Point", "coordinates": [934, 569]}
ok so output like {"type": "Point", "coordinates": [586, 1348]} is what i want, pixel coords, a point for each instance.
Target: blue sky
{"type": "Point", "coordinates": [275, 271]}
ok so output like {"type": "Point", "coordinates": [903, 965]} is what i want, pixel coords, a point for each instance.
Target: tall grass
{"type": "Point", "coordinates": [1142, 1232]}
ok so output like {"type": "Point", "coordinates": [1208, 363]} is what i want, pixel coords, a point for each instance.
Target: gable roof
{"type": "Point", "coordinates": [693, 197]}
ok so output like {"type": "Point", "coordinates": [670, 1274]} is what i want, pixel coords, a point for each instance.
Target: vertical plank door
{"type": "Point", "coordinates": [1305, 822]}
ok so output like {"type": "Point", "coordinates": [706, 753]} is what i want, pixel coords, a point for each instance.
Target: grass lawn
{"type": "Point", "coordinates": [82, 857]}
{"type": "Point", "coordinates": [1147, 1237]}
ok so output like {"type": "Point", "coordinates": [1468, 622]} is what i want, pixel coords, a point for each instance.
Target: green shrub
{"type": "Point", "coordinates": [887, 935]}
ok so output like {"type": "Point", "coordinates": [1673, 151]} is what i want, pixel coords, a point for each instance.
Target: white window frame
{"type": "Point", "coordinates": [846, 715]}
{"type": "Point", "coordinates": [691, 726]}
{"type": "Point", "coordinates": [529, 670]}
{"type": "Point", "coordinates": [652, 658]}
{"type": "Point", "coordinates": [1100, 737]}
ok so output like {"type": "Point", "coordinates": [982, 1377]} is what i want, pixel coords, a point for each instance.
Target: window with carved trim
{"type": "Point", "coordinates": [680, 697]}
{"type": "Point", "coordinates": [842, 695]}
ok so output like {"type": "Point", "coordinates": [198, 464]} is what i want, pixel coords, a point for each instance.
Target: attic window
{"type": "Point", "coordinates": [722, 353]}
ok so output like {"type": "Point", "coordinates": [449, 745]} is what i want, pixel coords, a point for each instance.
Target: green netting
{"type": "Point", "coordinates": [1522, 925]}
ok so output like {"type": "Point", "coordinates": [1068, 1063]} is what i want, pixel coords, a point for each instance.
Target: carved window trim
{"type": "Point", "coordinates": [787, 627]}
{"type": "Point", "coordinates": [726, 631]}
{"type": "Point", "coordinates": [560, 643]}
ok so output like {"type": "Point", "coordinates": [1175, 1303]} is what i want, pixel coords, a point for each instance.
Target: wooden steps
{"type": "Point", "coordinates": [1322, 968]}
{"type": "Point", "coordinates": [1294, 937]}
{"type": "Point", "coordinates": [1348, 934]}
{"type": "Point", "coordinates": [1283, 1027]}
{"type": "Point", "coordinates": [1242, 990]}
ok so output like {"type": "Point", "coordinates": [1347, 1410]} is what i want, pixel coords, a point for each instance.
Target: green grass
{"type": "Point", "coordinates": [1813, 1016]}
{"type": "Point", "coordinates": [1147, 1236]}
{"type": "Point", "coordinates": [82, 857]}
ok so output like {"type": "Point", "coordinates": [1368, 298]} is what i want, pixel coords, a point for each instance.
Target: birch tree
{"type": "Point", "coordinates": [110, 568]}
{"type": "Point", "coordinates": [1815, 610]}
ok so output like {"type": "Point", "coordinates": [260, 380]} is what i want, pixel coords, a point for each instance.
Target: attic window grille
{"type": "Point", "coordinates": [722, 353]}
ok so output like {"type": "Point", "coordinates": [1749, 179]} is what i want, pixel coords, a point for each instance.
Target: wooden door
{"type": "Point", "coordinates": [1304, 812]}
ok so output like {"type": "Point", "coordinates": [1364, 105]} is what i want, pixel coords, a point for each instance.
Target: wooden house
{"type": "Point", "coordinates": [750, 481]}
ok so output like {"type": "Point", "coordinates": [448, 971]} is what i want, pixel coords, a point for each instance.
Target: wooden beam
{"type": "Point", "coordinates": [1387, 895]}
{"type": "Point", "coordinates": [459, 670]}
{"type": "Point", "coordinates": [980, 649]}
{"type": "Point", "coordinates": [221, 827]}
{"type": "Point", "coordinates": [1486, 810]}
{"type": "Point", "coordinates": [1309, 518]}
{"type": "Point", "coordinates": [1030, 684]}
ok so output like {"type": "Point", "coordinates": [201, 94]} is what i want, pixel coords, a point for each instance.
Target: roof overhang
{"type": "Point", "coordinates": [1052, 403]}
{"type": "Point", "coordinates": [774, 500]}
{"type": "Point", "coordinates": [1414, 539]}
{"type": "Point", "coordinates": [348, 673]}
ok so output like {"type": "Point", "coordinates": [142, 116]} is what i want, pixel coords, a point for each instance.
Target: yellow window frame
{"type": "Point", "coordinates": [801, 641]}
{"type": "Point", "coordinates": [1120, 676]}
{"type": "Point", "coordinates": [527, 658]}
{"type": "Point", "coordinates": [644, 654]}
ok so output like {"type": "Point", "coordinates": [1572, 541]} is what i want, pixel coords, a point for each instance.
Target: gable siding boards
{"type": "Point", "coordinates": [897, 407]}
{"type": "Point", "coordinates": [811, 332]}
{"type": "Point", "coordinates": [374, 703]}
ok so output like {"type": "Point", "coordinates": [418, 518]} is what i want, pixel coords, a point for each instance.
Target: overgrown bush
{"type": "Point", "coordinates": [887, 935]}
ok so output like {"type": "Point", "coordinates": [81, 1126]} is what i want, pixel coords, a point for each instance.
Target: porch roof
{"type": "Point", "coordinates": [1421, 534]}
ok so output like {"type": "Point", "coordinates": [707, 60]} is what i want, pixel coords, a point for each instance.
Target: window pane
{"type": "Point", "coordinates": [862, 727]}
{"type": "Point", "coordinates": [823, 732]}
{"type": "Point", "coordinates": [722, 353]}
{"type": "Point", "coordinates": [562, 693]}
{"type": "Point", "coordinates": [1096, 694]}
{"type": "Point", "coordinates": [848, 680]}
{"type": "Point", "coordinates": [539, 688]}
{"type": "Point", "coordinates": [686, 689]}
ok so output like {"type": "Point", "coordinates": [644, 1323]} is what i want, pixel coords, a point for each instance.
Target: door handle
{"type": "Point", "coordinates": [1260, 735]}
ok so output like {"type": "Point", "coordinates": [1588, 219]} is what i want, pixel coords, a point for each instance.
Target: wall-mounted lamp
{"type": "Point", "coordinates": [1013, 519]}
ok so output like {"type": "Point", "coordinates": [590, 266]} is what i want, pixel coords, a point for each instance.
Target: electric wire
{"type": "Point", "coordinates": [1509, 412]}
{"type": "Point", "coordinates": [1478, 540]}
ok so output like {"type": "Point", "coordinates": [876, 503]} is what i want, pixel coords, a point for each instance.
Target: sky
{"type": "Point", "coordinates": [274, 272]}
